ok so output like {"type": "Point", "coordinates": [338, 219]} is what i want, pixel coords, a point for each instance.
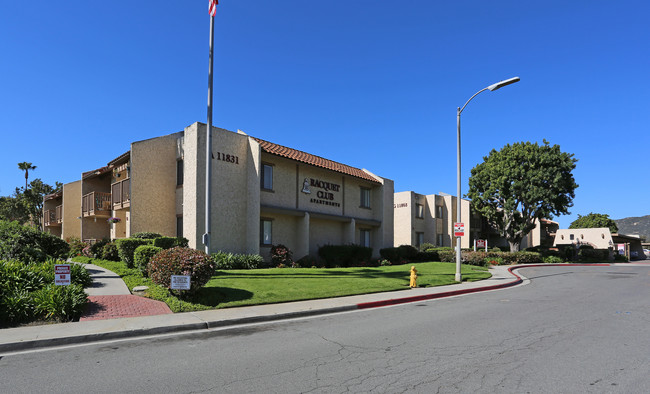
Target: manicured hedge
{"type": "Point", "coordinates": [230, 261]}
{"type": "Point", "coordinates": [142, 255]}
{"type": "Point", "coordinates": [126, 248]}
{"type": "Point", "coordinates": [170, 242]}
{"type": "Point", "coordinates": [344, 255]}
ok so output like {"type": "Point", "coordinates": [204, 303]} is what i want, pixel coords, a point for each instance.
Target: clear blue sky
{"type": "Point", "coordinates": [370, 83]}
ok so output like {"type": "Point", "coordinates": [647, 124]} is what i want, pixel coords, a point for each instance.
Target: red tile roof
{"type": "Point", "coordinates": [313, 160]}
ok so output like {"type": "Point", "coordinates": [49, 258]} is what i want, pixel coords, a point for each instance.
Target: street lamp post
{"type": "Point", "coordinates": [492, 87]}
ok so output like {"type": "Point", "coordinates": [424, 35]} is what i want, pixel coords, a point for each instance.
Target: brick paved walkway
{"type": "Point", "coordinates": [116, 306]}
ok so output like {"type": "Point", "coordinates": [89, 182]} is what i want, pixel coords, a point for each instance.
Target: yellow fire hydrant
{"type": "Point", "coordinates": [414, 276]}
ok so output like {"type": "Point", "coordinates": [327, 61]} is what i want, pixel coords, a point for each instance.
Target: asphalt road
{"type": "Point", "coordinates": [571, 330]}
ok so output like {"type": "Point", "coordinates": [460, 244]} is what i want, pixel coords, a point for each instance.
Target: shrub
{"type": "Point", "coordinates": [446, 255]}
{"type": "Point", "coordinates": [76, 246]}
{"type": "Point", "coordinates": [522, 257]}
{"type": "Point", "coordinates": [407, 253]}
{"type": "Point", "coordinates": [426, 246]}
{"type": "Point", "coordinates": [142, 255]}
{"type": "Point", "coordinates": [344, 255]}
{"type": "Point", "coordinates": [170, 242]}
{"type": "Point", "coordinates": [493, 261]}
{"type": "Point", "coordinates": [97, 248]}
{"type": "Point", "coordinates": [109, 252]}
{"type": "Point", "coordinates": [28, 290]}
{"type": "Point", "coordinates": [552, 260]}
{"type": "Point", "coordinates": [280, 254]}
{"type": "Point", "coordinates": [592, 255]}
{"type": "Point", "coordinates": [18, 242]}
{"type": "Point", "coordinates": [61, 303]}
{"type": "Point", "coordinates": [474, 258]}
{"type": "Point", "coordinates": [126, 247]}
{"type": "Point", "coordinates": [620, 257]}
{"type": "Point", "coordinates": [16, 306]}
{"type": "Point", "coordinates": [146, 235]}
{"type": "Point", "coordinates": [181, 261]}
{"type": "Point", "coordinates": [390, 254]}
{"type": "Point", "coordinates": [227, 261]}
{"type": "Point", "coordinates": [430, 255]}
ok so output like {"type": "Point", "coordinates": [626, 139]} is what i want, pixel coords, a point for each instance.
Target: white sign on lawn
{"type": "Point", "coordinates": [62, 274]}
{"type": "Point", "coordinates": [180, 282]}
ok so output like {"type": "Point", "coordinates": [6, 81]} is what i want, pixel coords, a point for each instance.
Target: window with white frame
{"type": "Point", "coordinates": [365, 198]}
{"type": "Point", "coordinates": [267, 176]}
{"type": "Point", "coordinates": [364, 238]}
{"type": "Point", "coordinates": [266, 228]}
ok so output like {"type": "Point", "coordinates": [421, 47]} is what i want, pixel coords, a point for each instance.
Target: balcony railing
{"type": "Point", "coordinates": [53, 217]}
{"type": "Point", "coordinates": [96, 204]}
{"type": "Point", "coordinates": [121, 194]}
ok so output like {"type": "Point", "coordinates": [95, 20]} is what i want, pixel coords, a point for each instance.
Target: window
{"type": "Point", "coordinates": [179, 173]}
{"type": "Point", "coordinates": [439, 211]}
{"type": "Point", "coordinates": [440, 240]}
{"type": "Point", "coordinates": [267, 177]}
{"type": "Point", "coordinates": [419, 239]}
{"type": "Point", "coordinates": [365, 198]}
{"type": "Point", "coordinates": [419, 211]}
{"type": "Point", "coordinates": [364, 238]}
{"type": "Point", "coordinates": [571, 237]}
{"type": "Point", "coordinates": [179, 226]}
{"type": "Point", "coordinates": [266, 232]}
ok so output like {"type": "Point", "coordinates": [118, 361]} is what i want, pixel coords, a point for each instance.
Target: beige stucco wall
{"type": "Point", "coordinates": [599, 238]}
{"type": "Point", "coordinates": [71, 210]}
{"type": "Point", "coordinates": [235, 197]}
{"type": "Point", "coordinates": [153, 185]}
{"type": "Point", "coordinates": [402, 218]}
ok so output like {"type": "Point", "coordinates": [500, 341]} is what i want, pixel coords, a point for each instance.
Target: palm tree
{"type": "Point", "coordinates": [25, 166]}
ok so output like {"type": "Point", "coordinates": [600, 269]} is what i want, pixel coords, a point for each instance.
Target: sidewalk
{"type": "Point", "coordinates": [89, 330]}
{"type": "Point", "coordinates": [110, 298]}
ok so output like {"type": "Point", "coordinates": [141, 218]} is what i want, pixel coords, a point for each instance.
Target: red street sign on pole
{"type": "Point", "coordinates": [459, 229]}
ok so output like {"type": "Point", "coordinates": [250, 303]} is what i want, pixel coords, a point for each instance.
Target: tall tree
{"type": "Point", "coordinates": [26, 166]}
{"type": "Point", "coordinates": [594, 220]}
{"type": "Point", "coordinates": [520, 184]}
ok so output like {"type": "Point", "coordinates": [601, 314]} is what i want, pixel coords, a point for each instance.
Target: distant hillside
{"type": "Point", "coordinates": [633, 226]}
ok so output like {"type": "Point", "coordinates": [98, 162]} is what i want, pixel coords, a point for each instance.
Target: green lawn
{"type": "Point", "coordinates": [231, 288]}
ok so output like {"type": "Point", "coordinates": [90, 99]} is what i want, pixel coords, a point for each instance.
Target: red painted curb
{"type": "Point", "coordinates": [405, 300]}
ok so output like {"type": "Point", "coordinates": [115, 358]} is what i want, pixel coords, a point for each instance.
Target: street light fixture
{"type": "Point", "coordinates": [491, 88]}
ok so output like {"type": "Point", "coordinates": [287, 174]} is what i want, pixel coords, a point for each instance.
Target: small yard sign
{"type": "Point", "coordinates": [180, 282]}
{"type": "Point", "coordinates": [62, 274]}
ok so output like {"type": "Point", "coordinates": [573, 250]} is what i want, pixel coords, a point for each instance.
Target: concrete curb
{"type": "Point", "coordinates": [192, 321]}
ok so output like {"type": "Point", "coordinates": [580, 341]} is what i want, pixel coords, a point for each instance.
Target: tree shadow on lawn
{"type": "Point", "coordinates": [213, 296]}
{"type": "Point", "coordinates": [365, 273]}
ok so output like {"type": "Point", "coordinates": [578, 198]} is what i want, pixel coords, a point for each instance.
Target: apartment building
{"type": "Point", "coordinates": [430, 219]}
{"type": "Point", "coordinates": [262, 194]}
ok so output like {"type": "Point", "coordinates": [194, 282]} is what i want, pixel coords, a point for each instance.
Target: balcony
{"type": "Point", "coordinates": [53, 217]}
{"type": "Point", "coordinates": [96, 204]}
{"type": "Point", "coordinates": [121, 194]}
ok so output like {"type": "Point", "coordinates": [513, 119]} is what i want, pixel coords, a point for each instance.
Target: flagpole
{"type": "Point", "coordinates": [208, 150]}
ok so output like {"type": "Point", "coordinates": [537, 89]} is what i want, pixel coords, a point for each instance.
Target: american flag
{"type": "Point", "coordinates": [212, 8]}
